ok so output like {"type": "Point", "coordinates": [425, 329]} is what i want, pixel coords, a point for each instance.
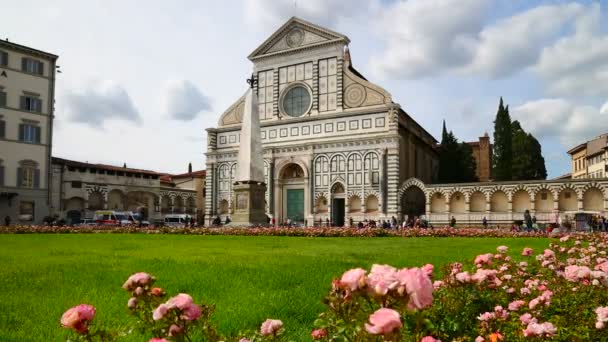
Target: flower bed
{"type": "Point", "coordinates": [557, 294]}
{"type": "Point", "coordinates": [280, 231]}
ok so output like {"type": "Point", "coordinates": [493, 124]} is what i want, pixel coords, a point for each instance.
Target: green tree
{"type": "Point", "coordinates": [503, 137]}
{"type": "Point", "coordinates": [456, 162]}
{"type": "Point", "coordinates": [528, 162]}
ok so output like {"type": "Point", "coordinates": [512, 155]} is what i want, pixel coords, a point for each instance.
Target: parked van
{"type": "Point", "coordinates": [177, 220]}
{"type": "Point", "coordinates": [114, 218]}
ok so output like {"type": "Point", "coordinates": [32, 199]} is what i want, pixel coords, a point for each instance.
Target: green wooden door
{"type": "Point", "coordinates": [295, 205]}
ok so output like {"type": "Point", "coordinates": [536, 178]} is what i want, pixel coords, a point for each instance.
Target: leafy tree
{"type": "Point", "coordinates": [456, 162]}
{"type": "Point", "coordinates": [503, 138]}
{"type": "Point", "coordinates": [528, 162]}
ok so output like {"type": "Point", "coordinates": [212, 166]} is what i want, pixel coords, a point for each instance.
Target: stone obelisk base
{"type": "Point", "coordinates": [249, 210]}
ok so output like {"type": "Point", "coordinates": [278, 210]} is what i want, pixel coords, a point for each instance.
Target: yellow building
{"type": "Point", "coordinates": [590, 159]}
{"type": "Point", "coordinates": [27, 92]}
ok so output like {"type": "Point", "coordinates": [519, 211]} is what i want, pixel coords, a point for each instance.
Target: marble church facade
{"type": "Point", "coordinates": [335, 146]}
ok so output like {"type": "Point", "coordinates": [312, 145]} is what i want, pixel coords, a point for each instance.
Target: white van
{"type": "Point", "coordinates": [178, 220]}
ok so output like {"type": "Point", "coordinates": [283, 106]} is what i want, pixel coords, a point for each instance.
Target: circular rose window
{"type": "Point", "coordinates": [296, 101]}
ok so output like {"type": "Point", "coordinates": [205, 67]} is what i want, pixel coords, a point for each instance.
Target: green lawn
{"type": "Point", "coordinates": [249, 278]}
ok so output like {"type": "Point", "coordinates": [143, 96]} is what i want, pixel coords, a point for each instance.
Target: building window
{"type": "Point", "coordinates": [29, 133]}
{"type": "Point", "coordinates": [3, 58]}
{"type": "Point", "coordinates": [28, 175]}
{"type": "Point", "coordinates": [32, 66]}
{"type": "Point", "coordinates": [76, 184]}
{"type": "Point", "coordinates": [2, 99]}
{"type": "Point", "coordinates": [296, 101]}
{"type": "Point", "coordinates": [543, 196]}
{"type": "Point", "coordinates": [1, 173]}
{"type": "Point", "coordinates": [31, 104]}
{"type": "Point", "coordinates": [26, 211]}
{"type": "Point", "coordinates": [2, 129]}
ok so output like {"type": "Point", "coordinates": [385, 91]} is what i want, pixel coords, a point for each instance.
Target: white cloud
{"type": "Point", "coordinates": [270, 14]}
{"type": "Point", "coordinates": [184, 101]}
{"type": "Point", "coordinates": [98, 102]}
{"type": "Point", "coordinates": [427, 37]}
{"type": "Point", "coordinates": [514, 43]}
{"type": "Point", "coordinates": [578, 63]}
{"type": "Point", "coordinates": [571, 123]}
{"type": "Point", "coordinates": [423, 39]}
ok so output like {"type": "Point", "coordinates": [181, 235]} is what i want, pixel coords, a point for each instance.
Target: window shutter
{"type": "Point", "coordinates": [21, 135]}
{"type": "Point", "coordinates": [23, 64]}
{"type": "Point", "coordinates": [39, 105]}
{"type": "Point", "coordinates": [22, 102]}
{"type": "Point", "coordinates": [2, 129]}
{"type": "Point", "coordinates": [40, 68]}
{"type": "Point", "coordinates": [1, 175]}
{"type": "Point", "coordinates": [2, 99]}
{"type": "Point", "coordinates": [19, 175]}
{"type": "Point", "coordinates": [36, 178]}
{"type": "Point", "coordinates": [37, 134]}
{"type": "Point", "coordinates": [3, 58]}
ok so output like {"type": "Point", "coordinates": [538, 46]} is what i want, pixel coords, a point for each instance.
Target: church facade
{"type": "Point", "coordinates": [335, 146]}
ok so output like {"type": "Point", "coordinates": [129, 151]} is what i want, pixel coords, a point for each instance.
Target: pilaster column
{"type": "Point", "coordinates": [392, 175]}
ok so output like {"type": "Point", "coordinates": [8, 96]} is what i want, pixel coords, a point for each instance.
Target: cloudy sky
{"type": "Point", "coordinates": [140, 84]}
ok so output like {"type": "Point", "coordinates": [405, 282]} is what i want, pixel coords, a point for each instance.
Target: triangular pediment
{"type": "Point", "coordinates": [294, 35]}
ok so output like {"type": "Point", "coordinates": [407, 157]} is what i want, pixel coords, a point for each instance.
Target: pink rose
{"type": "Point", "coordinates": [428, 268]}
{"type": "Point", "coordinates": [527, 251]}
{"type": "Point", "coordinates": [158, 339]}
{"type": "Point", "coordinates": [157, 292]}
{"type": "Point", "coordinates": [418, 286]}
{"type": "Point", "coordinates": [502, 249]}
{"type": "Point", "coordinates": [271, 327]}
{"type": "Point", "coordinates": [527, 319]}
{"type": "Point", "coordinates": [139, 291]}
{"type": "Point", "coordinates": [382, 278]}
{"type": "Point", "coordinates": [383, 322]}
{"type": "Point", "coordinates": [353, 279]}
{"type": "Point", "coordinates": [429, 339]}
{"type": "Point", "coordinates": [463, 277]}
{"type": "Point", "coordinates": [479, 339]}
{"type": "Point", "coordinates": [192, 312]}
{"type": "Point", "coordinates": [77, 318]}
{"type": "Point", "coordinates": [160, 312]}
{"type": "Point", "coordinates": [244, 340]}
{"type": "Point", "coordinates": [318, 334]}
{"type": "Point", "coordinates": [516, 305]}
{"type": "Point", "coordinates": [137, 279]}
{"type": "Point", "coordinates": [540, 329]}
{"type": "Point", "coordinates": [483, 259]}
{"type": "Point", "coordinates": [132, 303]}
{"type": "Point", "coordinates": [181, 301]}
{"type": "Point", "coordinates": [437, 284]}
{"type": "Point", "coordinates": [175, 330]}
{"type": "Point", "coordinates": [548, 254]}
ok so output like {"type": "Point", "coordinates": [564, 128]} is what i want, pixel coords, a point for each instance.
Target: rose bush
{"type": "Point", "coordinates": [557, 294]}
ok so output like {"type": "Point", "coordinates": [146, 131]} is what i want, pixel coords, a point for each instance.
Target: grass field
{"type": "Point", "coordinates": [249, 278]}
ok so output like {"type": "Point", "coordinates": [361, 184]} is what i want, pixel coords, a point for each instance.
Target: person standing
{"type": "Point", "coordinates": [453, 222]}
{"type": "Point", "coordinates": [528, 220]}
{"type": "Point", "coordinates": [484, 222]}
{"type": "Point", "coordinates": [7, 221]}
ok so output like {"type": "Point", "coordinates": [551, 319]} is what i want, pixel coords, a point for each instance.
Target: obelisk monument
{"type": "Point", "coordinates": [249, 187]}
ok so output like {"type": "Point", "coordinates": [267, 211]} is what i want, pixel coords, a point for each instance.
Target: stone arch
{"type": "Point", "coordinates": [567, 199]}
{"type": "Point", "coordinates": [354, 204]}
{"type": "Point", "coordinates": [165, 203]}
{"type": "Point", "coordinates": [74, 203]}
{"type": "Point", "coordinates": [438, 201]}
{"type": "Point", "coordinates": [477, 201]}
{"type": "Point", "coordinates": [593, 199]}
{"type": "Point", "coordinates": [372, 204]}
{"type": "Point", "coordinates": [141, 200]}
{"type": "Point", "coordinates": [96, 200]}
{"type": "Point", "coordinates": [457, 203]}
{"type": "Point", "coordinates": [409, 183]}
{"type": "Point", "coordinates": [499, 201]}
{"type": "Point", "coordinates": [178, 202]}
{"type": "Point", "coordinates": [337, 163]}
{"type": "Point", "coordinates": [116, 200]}
{"type": "Point", "coordinates": [543, 200]}
{"type": "Point", "coordinates": [190, 205]}
{"type": "Point", "coordinates": [291, 171]}
{"type": "Point", "coordinates": [521, 201]}
{"type": "Point", "coordinates": [284, 164]}
{"type": "Point", "coordinates": [412, 200]}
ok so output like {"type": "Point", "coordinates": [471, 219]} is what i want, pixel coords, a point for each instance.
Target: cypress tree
{"type": "Point", "coordinates": [528, 162]}
{"type": "Point", "coordinates": [456, 162]}
{"type": "Point", "coordinates": [503, 138]}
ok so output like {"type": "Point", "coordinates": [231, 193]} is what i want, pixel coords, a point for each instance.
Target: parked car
{"type": "Point", "coordinates": [109, 218]}
{"type": "Point", "coordinates": [87, 222]}
{"type": "Point", "coordinates": [178, 220]}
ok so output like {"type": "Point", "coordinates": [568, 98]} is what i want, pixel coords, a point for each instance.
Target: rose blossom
{"type": "Point", "coordinates": [516, 305]}
{"type": "Point", "coordinates": [318, 334]}
{"type": "Point", "coordinates": [527, 319]}
{"type": "Point", "coordinates": [383, 322]}
{"type": "Point", "coordinates": [244, 340]}
{"type": "Point", "coordinates": [132, 303]}
{"type": "Point", "coordinates": [382, 278]}
{"type": "Point", "coordinates": [479, 339]}
{"type": "Point", "coordinates": [76, 318]}
{"type": "Point", "coordinates": [271, 327]}
{"type": "Point", "coordinates": [540, 329]}
{"type": "Point", "coordinates": [602, 316]}
{"type": "Point", "coordinates": [483, 259]}
{"type": "Point", "coordinates": [418, 286]}
{"type": "Point", "coordinates": [157, 292]}
{"type": "Point", "coordinates": [463, 277]}
{"type": "Point", "coordinates": [137, 279]}
{"type": "Point", "coordinates": [353, 279]}
{"type": "Point", "coordinates": [158, 339]}
{"type": "Point", "coordinates": [429, 339]}
{"type": "Point", "coordinates": [175, 330]}
{"type": "Point", "coordinates": [502, 249]}
{"type": "Point", "coordinates": [428, 268]}
{"type": "Point", "coordinates": [160, 312]}
{"type": "Point", "coordinates": [527, 251]}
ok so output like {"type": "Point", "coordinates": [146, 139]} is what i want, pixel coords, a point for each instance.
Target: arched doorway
{"type": "Point", "coordinates": [292, 182]}
{"type": "Point", "coordinates": [338, 197]}
{"type": "Point", "coordinates": [413, 202]}
{"type": "Point", "coordinates": [140, 201]}
{"type": "Point", "coordinates": [96, 200]}
{"type": "Point", "coordinates": [115, 200]}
